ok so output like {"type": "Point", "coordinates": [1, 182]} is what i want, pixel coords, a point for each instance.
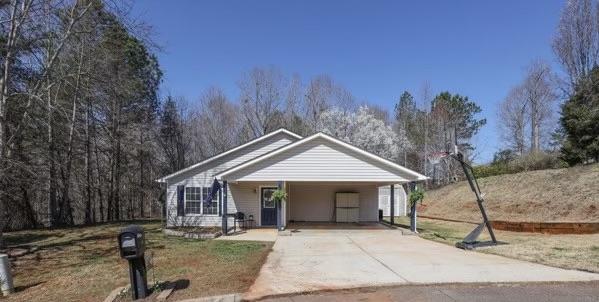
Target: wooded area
{"type": "Point", "coordinates": [531, 123]}
{"type": "Point", "coordinates": [78, 102]}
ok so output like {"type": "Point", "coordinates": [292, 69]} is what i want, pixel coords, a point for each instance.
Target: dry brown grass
{"type": "Point", "coordinates": [82, 264]}
{"type": "Point", "coordinates": [567, 251]}
{"type": "Point", "coordinates": [568, 195]}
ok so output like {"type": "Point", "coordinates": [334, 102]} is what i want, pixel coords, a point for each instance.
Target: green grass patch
{"type": "Point", "coordinates": [234, 250]}
{"type": "Point", "coordinates": [433, 230]}
{"type": "Point", "coordinates": [82, 263]}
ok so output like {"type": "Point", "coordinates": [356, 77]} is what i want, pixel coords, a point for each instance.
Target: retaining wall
{"type": "Point", "coordinates": [536, 227]}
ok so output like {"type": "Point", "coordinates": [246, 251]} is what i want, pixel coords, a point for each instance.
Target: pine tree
{"type": "Point", "coordinates": [580, 120]}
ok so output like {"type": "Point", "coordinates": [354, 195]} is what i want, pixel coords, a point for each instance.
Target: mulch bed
{"type": "Point", "coordinates": [194, 232]}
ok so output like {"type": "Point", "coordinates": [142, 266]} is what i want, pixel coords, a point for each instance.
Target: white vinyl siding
{"type": "Point", "coordinates": [400, 201]}
{"type": "Point", "coordinates": [318, 160]}
{"type": "Point", "coordinates": [203, 176]}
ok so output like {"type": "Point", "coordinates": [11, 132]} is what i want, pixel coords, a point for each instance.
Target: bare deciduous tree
{"type": "Point", "coordinates": [218, 123]}
{"type": "Point", "coordinates": [539, 94]}
{"type": "Point", "coordinates": [576, 43]}
{"type": "Point", "coordinates": [513, 121]}
{"type": "Point", "coordinates": [262, 99]}
{"type": "Point", "coordinates": [529, 106]}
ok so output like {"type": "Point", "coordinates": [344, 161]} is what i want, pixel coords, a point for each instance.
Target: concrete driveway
{"type": "Point", "coordinates": [324, 259]}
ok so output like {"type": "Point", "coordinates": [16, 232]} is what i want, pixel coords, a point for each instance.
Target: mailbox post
{"type": "Point", "coordinates": [132, 247]}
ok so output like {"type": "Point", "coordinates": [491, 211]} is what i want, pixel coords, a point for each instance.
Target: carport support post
{"type": "Point", "coordinates": [392, 201]}
{"type": "Point", "coordinates": [413, 227]}
{"type": "Point", "coordinates": [279, 206]}
{"type": "Point", "coordinates": [224, 205]}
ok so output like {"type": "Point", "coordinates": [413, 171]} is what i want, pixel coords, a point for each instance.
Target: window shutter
{"type": "Point", "coordinates": [220, 202]}
{"type": "Point", "coordinates": [180, 200]}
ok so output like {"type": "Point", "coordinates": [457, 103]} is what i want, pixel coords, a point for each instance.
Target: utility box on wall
{"type": "Point", "coordinates": [347, 207]}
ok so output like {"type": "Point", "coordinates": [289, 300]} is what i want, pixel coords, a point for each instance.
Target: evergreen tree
{"type": "Point", "coordinates": [456, 120]}
{"type": "Point", "coordinates": [408, 122]}
{"type": "Point", "coordinates": [580, 120]}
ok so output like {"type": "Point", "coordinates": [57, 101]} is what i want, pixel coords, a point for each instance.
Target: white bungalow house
{"type": "Point", "coordinates": [317, 172]}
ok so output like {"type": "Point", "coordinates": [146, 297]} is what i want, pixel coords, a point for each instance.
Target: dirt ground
{"type": "Point", "coordinates": [82, 264]}
{"type": "Point", "coordinates": [567, 251]}
{"type": "Point", "coordinates": [568, 195]}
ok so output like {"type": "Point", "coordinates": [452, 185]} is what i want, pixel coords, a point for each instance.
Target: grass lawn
{"type": "Point", "coordinates": [568, 251]}
{"type": "Point", "coordinates": [568, 195]}
{"type": "Point", "coordinates": [82, 264]}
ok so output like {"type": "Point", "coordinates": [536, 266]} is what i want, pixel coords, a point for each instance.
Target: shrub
{"type": "Point", "coordinates": [536, 161]}
{"type": "Point", "coordinates": [279, 195]}
{"type": "Point", "coordinates": [528, 162]}
{"type": "Point", "coordinates": [490, 170]}
{"type": "Point", "coordinates": [417, 195]}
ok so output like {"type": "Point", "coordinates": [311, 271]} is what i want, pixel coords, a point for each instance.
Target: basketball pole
{"type": "Point", "coordinates": [471, 240]}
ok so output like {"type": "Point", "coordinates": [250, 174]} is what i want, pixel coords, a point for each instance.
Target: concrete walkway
{"type": "Point", "coordinates": [318, 259]}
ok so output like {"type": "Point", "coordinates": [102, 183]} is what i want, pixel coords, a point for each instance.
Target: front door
{"type": "Point", "coordinates": [269, 209]}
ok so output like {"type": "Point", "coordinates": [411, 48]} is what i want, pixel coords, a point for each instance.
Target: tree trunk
{"type": "Point", "coordinates": [69, 160]}
{"type": "Point", "coordinates": [141, 194]}
{"type": "Point", "coordinates": [69, 164]}
{"type": "Point", "coordinates": [28, 209]}
{"type": "Point", "coordinates": [89, 217]}
{"type": "Point", "coordinates": [53, 206]}
{"type": "Point", "coordinates": [535, 129]}
{"type": "Point", "coordinates": [98, 173]}
{"type": "Point", "coordinates": [116, 195]}
{"type": "Point", "coordinates": [116, 162]}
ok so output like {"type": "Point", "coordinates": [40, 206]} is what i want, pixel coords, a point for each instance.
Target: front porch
{"type": "Point", "coordinates": [300, 229]}
{"type": "Point", "coordinates": [299, 226]}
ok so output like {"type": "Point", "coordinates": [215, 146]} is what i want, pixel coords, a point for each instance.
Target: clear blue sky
{"type": "Point", "coordinates": [376, 49]}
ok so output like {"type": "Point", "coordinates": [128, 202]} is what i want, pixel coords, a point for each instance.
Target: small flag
{"type": "Point", "coordinates": [213, 190]}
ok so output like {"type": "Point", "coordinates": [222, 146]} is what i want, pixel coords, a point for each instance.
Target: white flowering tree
{"type": "Point", "coordinates": [363, 129]}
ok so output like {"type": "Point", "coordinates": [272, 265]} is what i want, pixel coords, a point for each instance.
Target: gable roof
{"type": "Point", "coordinates": [383, 161]}
{"type": "Point", "coordinates": [223, 154]}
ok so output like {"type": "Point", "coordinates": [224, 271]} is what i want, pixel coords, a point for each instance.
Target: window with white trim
{"type": "Point", "coordinates": [209, 208]}
{"type": "Point", "coordinates": [194, 201]}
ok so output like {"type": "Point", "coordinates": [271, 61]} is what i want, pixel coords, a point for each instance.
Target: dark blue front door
{"type": "Point", "coordinates": [269, 209]}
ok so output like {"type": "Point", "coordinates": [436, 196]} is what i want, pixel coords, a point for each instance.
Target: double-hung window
{"type": "Point", "coordinates": [194, 201]}
{"type": "Point", "coordinates": [209, 208]}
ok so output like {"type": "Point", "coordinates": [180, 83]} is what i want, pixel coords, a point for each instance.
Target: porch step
{"type": "Point", "coordinates": [285, 233]}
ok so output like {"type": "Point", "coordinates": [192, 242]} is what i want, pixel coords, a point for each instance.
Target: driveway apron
{"type": "Point", "coordinates": [311, 260]}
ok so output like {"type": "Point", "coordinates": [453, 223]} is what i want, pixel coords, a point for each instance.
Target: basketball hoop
{"type": "Point", "coordinates": [435, 157]}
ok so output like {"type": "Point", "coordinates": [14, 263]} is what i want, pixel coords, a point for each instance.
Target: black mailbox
{"type": "Point", "coordinates": [132, 245]}
{"type": "Point", "coordinates": [132, 242]}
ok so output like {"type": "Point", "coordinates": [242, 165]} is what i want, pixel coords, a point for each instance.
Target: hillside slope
{"type": "Point", "coordinates": [570, 194]}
